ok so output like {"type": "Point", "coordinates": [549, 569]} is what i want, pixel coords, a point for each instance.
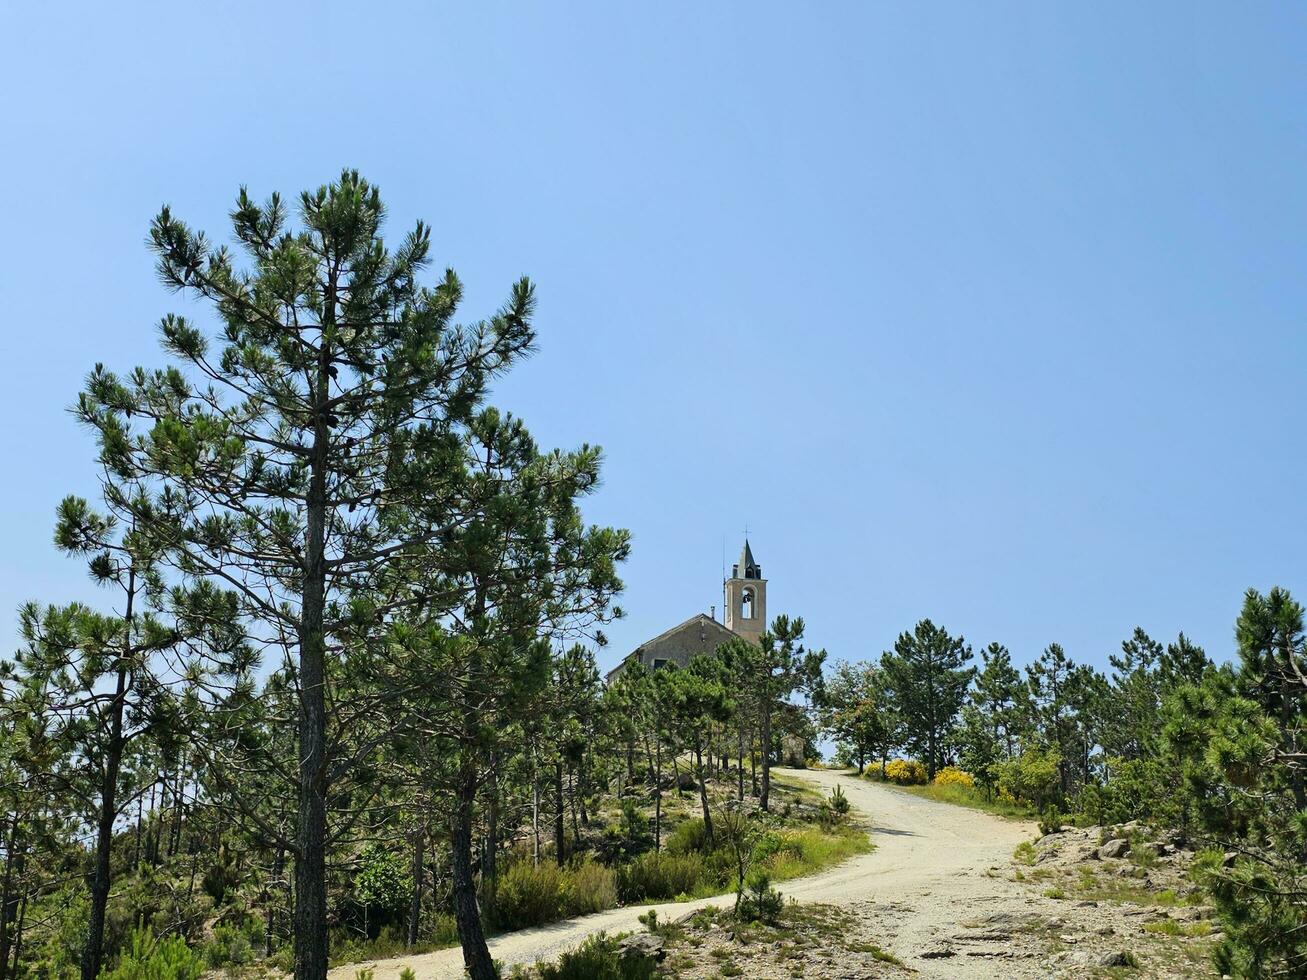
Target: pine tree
{"type": "Point", "coordinates": [98, 676]}
{"type": "Point", "coordinates": [700, 699]}
{"type": "Point", "coordinates": [280, 463]}
{"type": "Point", "coordinates": [1048, 679]}
{"type": "Point", "coordinates": [1137, 697]}
{"type": "Point", "coordinates": [1003, 699]}
{"type": "Point", "coordinates": [1240, 734]}
{"type": "Point", "coordinates": [480, 609]}
{"type": "Point", "coordinates": [779, 667]}
{"type": "Point", "coordinates": [856, 712]}
{"type": "Point", "coordinates": [928, 675]}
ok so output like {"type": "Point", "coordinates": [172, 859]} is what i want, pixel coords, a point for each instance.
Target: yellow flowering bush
{"type": "Point", "coordinates": [906, 772]}
{"type": "Point", "coordinates": [953, 776]}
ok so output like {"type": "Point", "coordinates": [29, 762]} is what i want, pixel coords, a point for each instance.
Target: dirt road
{"type": "Point", "coordinates": [926, 877]}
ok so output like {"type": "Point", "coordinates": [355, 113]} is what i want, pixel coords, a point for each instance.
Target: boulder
{"type": "Point", "coordinates": [1116, 958]}
{"type": "Point", "coordinates": [642, 946]}
{"type": "Point", "coordinates": [1118, 847]}
{"type": "Point", "coordinates": [937, 951]}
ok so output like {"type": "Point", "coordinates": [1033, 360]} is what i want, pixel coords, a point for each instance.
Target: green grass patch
{"type": "Point", "coordinates": [802, 852]}
{"type": "Point", "coordinates": [1187, 930]}
{"type": "Point", "coordinates": [971, 797]}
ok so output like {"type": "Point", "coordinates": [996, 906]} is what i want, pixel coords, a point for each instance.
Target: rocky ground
{"type": "Point", "coordinates": [1097, 903]}
{"type": "Point", "coordinates": [942, 895]}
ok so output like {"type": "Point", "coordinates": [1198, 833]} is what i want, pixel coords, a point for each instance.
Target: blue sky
{"type": "Point", "coordinates": [992, 313]}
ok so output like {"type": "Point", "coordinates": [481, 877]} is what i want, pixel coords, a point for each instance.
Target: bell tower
{"type": "Point", "coordinates": [746, 598]}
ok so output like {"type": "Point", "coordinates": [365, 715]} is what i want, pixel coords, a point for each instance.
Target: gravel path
{"type": "Point", "coordinates": [928, 875]}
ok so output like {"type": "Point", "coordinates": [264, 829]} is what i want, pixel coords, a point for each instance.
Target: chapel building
{"type": "Point", "coordinates": [745, 596]}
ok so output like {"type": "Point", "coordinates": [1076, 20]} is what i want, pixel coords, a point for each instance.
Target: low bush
{"type": "Point", "coordinates": [1031, 778]}
{"type": "Point", "coordinates": [689, 837]}
{"type": "Point", "coordinates": [528, 894]}
{"type": "Point", "coordinates": [658, 875]}
{"type": "Point", "coordinates": [953, 776]}
{"type": "Point", "coordinates": [1050, 821]}
{"type": "Point", "coordinates": [597, 959]}
{"type": "Point", "coordinates": [147, 958]}
{"type": "Point", "coordinates": [591, 887]}
{"type": "Point", "coordinates": [906, 772]}
{"type": "Point", "coordinates": [234, 943]}
{"type": "Point", "coordinates": [834, 810]}
{"type": "Point", "coordinates": [760, 901]}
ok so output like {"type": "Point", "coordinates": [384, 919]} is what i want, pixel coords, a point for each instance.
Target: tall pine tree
{"type": "Point", "coordinates": [278, 460]}
{"type": "Point", "coordinates": [928, 674]}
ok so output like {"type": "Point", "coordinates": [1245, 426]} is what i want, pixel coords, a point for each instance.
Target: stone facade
{"type": "Point", "coordinates": [697, 635]}
{"type": "Point", "coordinates": [746, 618]}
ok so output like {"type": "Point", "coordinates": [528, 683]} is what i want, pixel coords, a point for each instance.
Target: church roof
{"type": "Point", "coordinates": [708, 627]}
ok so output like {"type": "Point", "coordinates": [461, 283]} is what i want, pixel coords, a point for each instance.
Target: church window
{"type": "Point", "coordinates": [659, 663]}
{"type": "Point", "coordinates": [746, 604]}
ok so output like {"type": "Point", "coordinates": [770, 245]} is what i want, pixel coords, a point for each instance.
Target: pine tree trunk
{"type": "Point", "coordinates": [179, 800]}
{"type": "Point", "coordinates": [156, 849]}
{"type": "Point", "coordinates": [311, 824]}
{"type": "Point", "coordinates": [571, 795]}
{"type": "Point", "coordinates": [8, 903]}
{"type": "Point", "coordinates": [467, 916]}
{"type": "Point", "coordinates": [703, 795]}
{"type": "Point", "coordinates": [270, 923]}
{"type": "Point", "coordinates": [535, 810]}
{"type": "Point", "coordinates": [765, 798]}
{"type": "Point", "coordinates": [18, 936]}
{"type": "Point", "coordinates": [739, 783]}
{"type": "Point", "coordinates": [93, 951]}
{"type": "Point", "coordinates": [582, 785]}
{"type": "Point", "coordinates": [415, 907]}
{"type": "Point", "coordinates": [489, 860]}
{"type": "Point", "coordinates": [560, 829]}
{"type": "Point", "coordinates": [140, 825]}
{"type": "Point", "coordinates": [658, 799]}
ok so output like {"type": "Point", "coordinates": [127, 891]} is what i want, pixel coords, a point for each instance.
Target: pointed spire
{"type": "Point", "coordinates": [748, 568]}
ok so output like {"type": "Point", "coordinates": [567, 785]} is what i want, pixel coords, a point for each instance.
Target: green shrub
{"type": "Point", "coordinates": [597, 959]}
{"type": "Point", "coordinates": [834, 810]}
{"type": "Point", "coordinates": [407, 974]}
{"type": "Point", "coordinates": [1025, 853]}
{"type": "Point", "coordinates": [760, 901]}
{"type": "Point", "coordinates": [147, 958]}
{"type": "Point", "coordinates": [230, 946]}
{"type": "Point", "coordinates": [1031, 777]}
{"type": "Point", "coordinates": [688, 838]}
{"type": "Point", "coordinates": [590, 887]}
{"type": "Point", "coordinates": [530, 894]}
{"type": "Point", "coordinates": [1050, 821]}
{"type": "Point", "coordinates": [382, 884]}
{"type": "Point", "coordinates": [658, 875]}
